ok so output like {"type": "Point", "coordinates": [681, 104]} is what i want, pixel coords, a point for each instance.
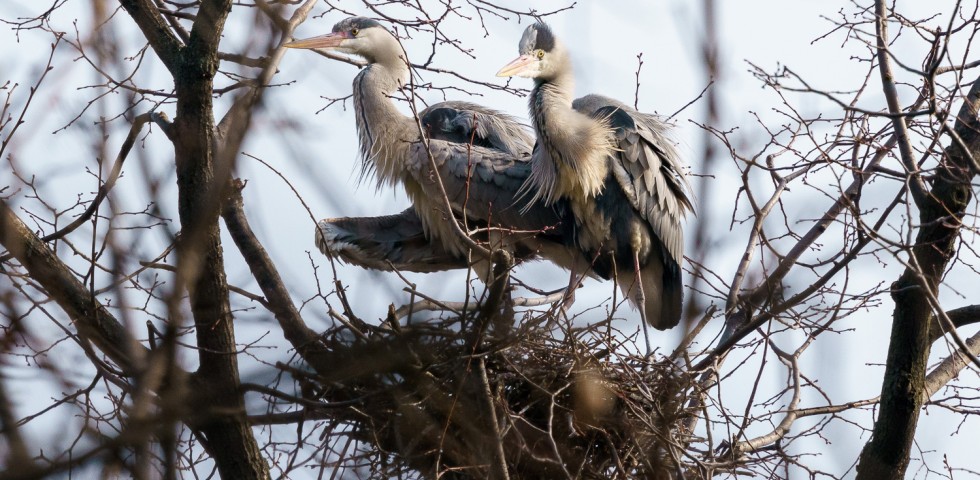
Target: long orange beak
{"type": "Point", "coordinates": [330, 40]}
{"type": "Point", "coordinates": [517, 66]}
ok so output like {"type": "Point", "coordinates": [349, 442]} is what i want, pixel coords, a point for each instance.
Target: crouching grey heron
{"type": "Point", "coordinates": [482, 156]}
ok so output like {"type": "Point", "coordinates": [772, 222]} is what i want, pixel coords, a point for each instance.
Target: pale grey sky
{"type": "Point", "coordinates": [605, 38]}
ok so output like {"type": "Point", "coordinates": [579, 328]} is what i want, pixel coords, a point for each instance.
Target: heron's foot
{"type": "Point", "coordinates": [569, 296]}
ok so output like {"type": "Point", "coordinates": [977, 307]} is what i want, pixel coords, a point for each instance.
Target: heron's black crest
{"type": "Point", "coordinates": [359, 23]}
{"type": "Point", "coordinates": [537, 36]}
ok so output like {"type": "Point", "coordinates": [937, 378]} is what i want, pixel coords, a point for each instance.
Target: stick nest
{"type": "Point", "coordinates": [467, 396]}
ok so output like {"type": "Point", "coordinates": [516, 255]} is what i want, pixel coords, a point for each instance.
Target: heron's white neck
{"type": "Point", "coordinates": [573, 162]}
{"type": "Point", "coordinates": [560, 89]}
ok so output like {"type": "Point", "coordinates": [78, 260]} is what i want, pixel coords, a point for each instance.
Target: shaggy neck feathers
{"type": "Point", "coordinates": [384, 132]}
{"type": "Point", "coordinates": [572, 159]}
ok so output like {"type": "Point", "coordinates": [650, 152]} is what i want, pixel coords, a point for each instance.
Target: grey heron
{"type": "Point", "coordinates": [620, 174]}
{"type": "Point", "coordinates": [482, 155]}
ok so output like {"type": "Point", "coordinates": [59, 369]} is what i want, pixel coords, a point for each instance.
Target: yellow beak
{"type": "Point", "coordinates": [517, 66]}
{"type": "Point", "coordinates": [330, 40]}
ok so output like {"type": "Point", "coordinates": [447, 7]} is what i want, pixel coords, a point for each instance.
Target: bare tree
{"type": "Point", "coordinates": [119, 323]}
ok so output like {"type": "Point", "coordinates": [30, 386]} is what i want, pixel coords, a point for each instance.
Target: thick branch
{"type": "Point", "coordinates": [903, 388]}
{"type": "Point", "coordinates": [949, 368]}
{"type": "Point", "coordinates": [166, 45]}
{"type": "Point", "coordinates": [916, 187]}
{"type": "Point", "coordinates": [200, 261]}
{"type": "Point", "coordinates": [94, 323]}
{"type": "Point", "coordinates": [206, 31]}
{"type": "Point", "coordinates": [301, 337]}
{"type": "Point", "coordinates": [960, 317]}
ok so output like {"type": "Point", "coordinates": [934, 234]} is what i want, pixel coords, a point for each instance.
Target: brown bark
{"type": "Point", "coordinates": [200, 263]}
{"type": "Point", "coordinates": [166, 45]}
{"type": "Point", "coordinates": [301, 337]}
{"type": "Point", "coordinates": [940, 215]}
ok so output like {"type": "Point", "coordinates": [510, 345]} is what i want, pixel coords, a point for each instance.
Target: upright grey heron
{"type": "Point", "coordinates": [482, 156]}
{"type": "Point", "coordinates": [616, 168]}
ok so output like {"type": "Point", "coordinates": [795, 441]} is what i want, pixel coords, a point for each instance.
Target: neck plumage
{"type": "Point", "coordinates": [573, 158]}
{"type": "Point", "coordinates": [384, 133]}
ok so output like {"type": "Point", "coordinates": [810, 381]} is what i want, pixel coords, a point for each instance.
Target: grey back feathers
{"type": "Point", "coordinates": [465, 122]}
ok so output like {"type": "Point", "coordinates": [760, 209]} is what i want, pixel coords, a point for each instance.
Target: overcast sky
{"type": "Point", "coordinates": [320, 157]}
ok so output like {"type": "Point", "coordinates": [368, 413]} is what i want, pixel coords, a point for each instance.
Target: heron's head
{"type": "Point", "coordinates": [439, 120]}
{"type": "Point", "coordinates": [356, 36]}
{"type": "Point", "coordinates": [542, 56]}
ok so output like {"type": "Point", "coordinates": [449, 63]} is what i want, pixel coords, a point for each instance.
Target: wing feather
{"type": "Point", "coordinates": [483, 126]}
{"type": "Point", "coordinates": [648, 168]}
{"type": "Point", "coordinates": [486, 182]}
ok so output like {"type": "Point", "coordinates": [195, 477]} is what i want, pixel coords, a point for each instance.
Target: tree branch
{"type": "Point", "coordinates": [200, 259]}
{"type": "Point", "coordinates": [104, 189]}
{"type": "Point", "coordinates": [913, 179]}
{"type": "Point", "coordinates": [960, 317]}
{"type": "Point", "coordinates": [886, 455]}
{"type": "Point", "coordinates": [166, 45]}
{"type": "Point", "coordinates": [94, 323]}
{"type": "Point", "coordinates": [792, 413]}
{"type": "Point", "coordinates": [301, 337]}
{"type": "Point", "coordinates": [949, 368]}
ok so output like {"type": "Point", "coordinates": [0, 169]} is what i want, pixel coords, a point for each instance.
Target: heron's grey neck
{"type": "Point", "coordinates": [383, 131]}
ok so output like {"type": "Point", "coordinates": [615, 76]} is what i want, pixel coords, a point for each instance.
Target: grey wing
{"type": "Point", "coordinates": [484, 181]}
{"type": "Point", "coordinates": [382, 243]}
{"type": "Point", "coordinates": [648, 167]}
{"type": "Point", "coordinates": [488, 127]}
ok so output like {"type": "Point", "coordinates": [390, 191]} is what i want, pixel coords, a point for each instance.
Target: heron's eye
{"type": "Point", "coordinates": [540, 54]}
{"type": "Point", "coordinates": [354, 32]}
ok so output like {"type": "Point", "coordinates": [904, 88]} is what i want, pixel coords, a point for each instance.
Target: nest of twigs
{"type": "Point", "coordinates": [467, 395]}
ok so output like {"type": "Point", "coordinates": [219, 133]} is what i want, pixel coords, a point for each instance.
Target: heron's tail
{"type": "Point", "coordinates": [384, 243]}
{"type": "Point", "coordinates": [662, 293]}
{"type": "Point", "coordinates": [673, 297]}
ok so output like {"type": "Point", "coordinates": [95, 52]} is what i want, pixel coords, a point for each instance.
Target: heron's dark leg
{"type": "Point", "coordinates": [641, 301]}
{"type": "Point", "coordinates": [483, 270]}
